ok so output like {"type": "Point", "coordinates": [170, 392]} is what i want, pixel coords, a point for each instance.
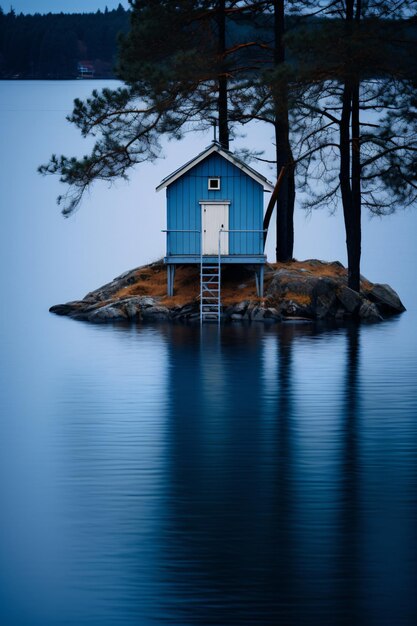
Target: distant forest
{"type": "Point", "coordinates": [84, 45]}
{"type": "Point", "coordinates": [59, 46]}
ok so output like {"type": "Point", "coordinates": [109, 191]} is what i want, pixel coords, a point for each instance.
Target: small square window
{"type": "Point", "coordinates": [214, 184]}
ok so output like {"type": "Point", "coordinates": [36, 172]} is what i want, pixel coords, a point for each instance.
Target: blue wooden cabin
{"type": "Point", "coordinates": [215, 208]}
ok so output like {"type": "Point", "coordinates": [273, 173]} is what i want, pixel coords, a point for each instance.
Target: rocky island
{"type": "Point", "coordinates": [307, 290]}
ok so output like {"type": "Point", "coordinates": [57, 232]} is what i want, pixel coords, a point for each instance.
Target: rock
{"type": "Point", "coordinates": [324, 298]}
{"type": "Point", "coordinates": [349, 299]}
{"type": "Point", "coordinates": [369, 312]}
{"type": "Point", "coordinates": [154, 313]}
{"type": "Point", "coordinates": [66, 309]}
{"type": "Point", "coordinates": [257, 314]}
{"type": "Point", "coordinates": [291, 308]}
{"type": "Point", "coordinates": [290, 281]}
{"type": "Point", "coordinates": [108, 313]}
{"type": "Point", "coordinates": [132, 307]}
{"type": "Point", "coordinates": [265, 314]}
{"type": "Point", "coordinates": [236, 311]}
{"type": "Point", "coordinates": [272, 315]}
{"type": "Point", "coordinates": [292, 293]}
{"type": "Point", "coordinates": [133, 310]}
{"type": "Point", "coordinates": [241, 307]}
{"type": "Point", "coordinates": [185, 313]}
{"type": "Point", "coordinates": [386, 299]}
{"type": "Point", "coordinates": [146, 301]}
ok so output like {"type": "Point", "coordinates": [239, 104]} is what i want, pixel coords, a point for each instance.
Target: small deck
{"type": "Point", "coordinates": [229, 259]}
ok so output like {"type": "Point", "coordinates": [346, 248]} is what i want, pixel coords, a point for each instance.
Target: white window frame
{"type": "Point", "coordinates": [213, 178]}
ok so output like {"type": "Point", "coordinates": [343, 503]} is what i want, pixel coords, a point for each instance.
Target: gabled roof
{"type": "Point", "coordinates": [216, 147]}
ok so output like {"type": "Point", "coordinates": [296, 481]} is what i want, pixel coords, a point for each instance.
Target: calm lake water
{"type": "Point", "coordinates": [166, 475]}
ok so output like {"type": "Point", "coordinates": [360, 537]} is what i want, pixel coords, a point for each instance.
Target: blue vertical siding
{"type": "Point", "coordinates": [246, 199]}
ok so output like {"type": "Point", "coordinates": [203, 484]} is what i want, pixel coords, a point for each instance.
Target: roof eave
{"type": "Point", "coordinates": [266, 184]}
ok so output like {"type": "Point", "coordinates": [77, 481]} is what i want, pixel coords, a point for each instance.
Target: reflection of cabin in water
{"type": "Point", "coordinates": [86, 69]}
{"type": "Point", "coordinates": [215, 207]}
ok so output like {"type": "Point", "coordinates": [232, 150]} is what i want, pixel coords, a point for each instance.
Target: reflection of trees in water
{"type": "Point", "coordinates": [282, 539]}
{"type": "Point", "coordinates": [231, 534]}
{"type": "Point", "coordinates": [348, 559]}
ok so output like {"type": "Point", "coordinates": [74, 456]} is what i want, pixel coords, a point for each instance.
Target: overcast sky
{"type": "Point", "coordinates": [56, 6]}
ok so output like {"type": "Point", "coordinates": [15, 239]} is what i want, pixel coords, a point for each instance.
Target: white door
{"type": "Point", "coordinates": [215, 216]}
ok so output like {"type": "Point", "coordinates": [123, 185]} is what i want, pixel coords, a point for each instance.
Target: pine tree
{"type": "Point", "coordinates": [351, 64]}
{"type": "Point", "coordinates": [313, 82]}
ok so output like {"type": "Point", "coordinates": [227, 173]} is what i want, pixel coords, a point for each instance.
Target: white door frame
{"type": "Point", "coordinates": [211, 223]}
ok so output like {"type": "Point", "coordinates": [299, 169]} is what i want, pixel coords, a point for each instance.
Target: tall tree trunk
{"type": "Point", "coordinates": [351, 214]}
{"type": "Point", "coordinates": [350, 168]}
{"type": "Point", "coordinates": [354, 274]}
{"type": "Point", "coordinates": [284, 158]}
{"type": "Point", "coordinates": [222, 79]}
{"type": "Point", "coordinates": [354, 277]}
{"type": "Point", "coordinates": [345, 162]}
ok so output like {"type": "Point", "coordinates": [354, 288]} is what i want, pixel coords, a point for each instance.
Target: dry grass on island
{"type": "Point", "coordinates": [237, 282]}
{"type": "Point", "coordinates": [311, 290]}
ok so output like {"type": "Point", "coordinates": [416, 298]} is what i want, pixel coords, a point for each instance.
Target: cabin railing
{"type": "Point", "coordinates": [238, 230]}
{"type": "Point", "coordinates": [169, 231]}
{"type": "Point", "coordinates": [245, 241]}
{"type": "Point", "coordinates": [183, 231]}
